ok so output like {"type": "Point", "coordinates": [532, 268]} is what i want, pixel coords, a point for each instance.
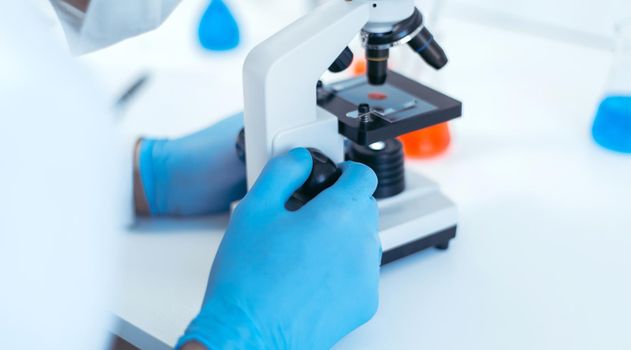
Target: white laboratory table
{"type": "Point", "coordinates": [543, 252]}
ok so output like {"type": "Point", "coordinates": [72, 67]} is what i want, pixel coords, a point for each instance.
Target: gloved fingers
{"type": "Point", "coordinates": [196, 174]}
{"type": "Point", "coordinates": [356, 178]}
{"type": "Point", "coordinates": [372, 222]}
{"type": "Point", "coordinates": [373, 210]}
{"type": "Point", "coordinates": [357, 183]}
{"type": "Point", "coordinates": [281, 177]}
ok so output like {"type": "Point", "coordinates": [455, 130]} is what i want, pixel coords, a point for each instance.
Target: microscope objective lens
{"type": "Point", "coordinates": [377, 65]}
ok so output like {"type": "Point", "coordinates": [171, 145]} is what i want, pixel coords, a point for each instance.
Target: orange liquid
{"type": "Point", "coordinates": [427, 143]}
{"type": "Point", "coordinates": [359, 67]}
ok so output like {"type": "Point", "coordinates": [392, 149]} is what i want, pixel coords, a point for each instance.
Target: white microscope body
{"type": "Point", "coordinates": [281, 113]}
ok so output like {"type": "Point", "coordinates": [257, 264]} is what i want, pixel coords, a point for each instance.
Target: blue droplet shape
{"type": "Point", "coordinates": [218, 29]}
{"type": "Point", "coordinates": [612, 125]}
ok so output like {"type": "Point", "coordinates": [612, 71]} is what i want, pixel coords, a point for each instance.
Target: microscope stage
{"type": "Point", "coordinates": [398, 107]}
{"type": "Point", "coordinates": [421, 216]}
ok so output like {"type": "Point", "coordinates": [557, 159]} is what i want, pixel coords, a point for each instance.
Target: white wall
{"type": "Point", "coordinates": [589, 22]}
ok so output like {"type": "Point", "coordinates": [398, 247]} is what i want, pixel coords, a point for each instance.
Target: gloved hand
{"type": "Point", "coordinates": [194, 175]}
{"type": "Point", "coordinates": [294, 280]}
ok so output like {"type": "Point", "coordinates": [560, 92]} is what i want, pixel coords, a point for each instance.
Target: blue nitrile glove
{"type": "Point", "coordinates": [294, 280]}
{"type": "Point", "coordinates": [194, 175]}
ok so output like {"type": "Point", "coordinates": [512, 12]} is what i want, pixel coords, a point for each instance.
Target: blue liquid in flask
{"type": "Point", "coordinates": [218, 30]}
{"type": "Point", "coordinates": [612, 125]}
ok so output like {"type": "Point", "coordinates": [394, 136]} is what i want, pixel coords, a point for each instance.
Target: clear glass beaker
{"type": "Point", "coordinates": [612, 125]}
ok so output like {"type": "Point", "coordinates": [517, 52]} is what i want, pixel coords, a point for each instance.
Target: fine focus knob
{"type": "Point", "coordinates": [240, 145]}
{"type": "Point", "coordinates": [343, 61]}
{"type": "Point", "coordinates": [324, 174]}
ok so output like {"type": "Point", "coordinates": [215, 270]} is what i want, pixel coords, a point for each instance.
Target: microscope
{"type": "Point", "coordinates": [359, 119]}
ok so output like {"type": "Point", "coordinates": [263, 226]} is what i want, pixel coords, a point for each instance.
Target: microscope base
{"type": "Point", "coordinates": [439, 240]}
{"type": "Point", "coordinates": [419, 218]}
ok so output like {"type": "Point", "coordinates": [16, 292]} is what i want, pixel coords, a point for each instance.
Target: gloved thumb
{"type": "Point", "coordinates": [281, 177]}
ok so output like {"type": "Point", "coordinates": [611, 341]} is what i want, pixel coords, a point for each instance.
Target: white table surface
{"type": "Point", "coordinates": [542, 256]}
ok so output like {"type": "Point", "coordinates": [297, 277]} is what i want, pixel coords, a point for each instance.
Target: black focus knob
{"type": "Point", "coordinates": [240, 145]}
{"type": "Point", "coordinates": [323, 175]}
{"type": "Point", "coordinates": [343, 61]}
{"type": "Point", "coordinates": [386, 159]}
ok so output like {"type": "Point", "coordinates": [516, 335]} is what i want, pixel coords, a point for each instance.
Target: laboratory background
{"type": "Point", "coordinates": [538, 166]}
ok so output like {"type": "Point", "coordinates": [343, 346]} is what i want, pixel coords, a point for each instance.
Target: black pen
{"type": "Point", "coordinates": [132, 91]}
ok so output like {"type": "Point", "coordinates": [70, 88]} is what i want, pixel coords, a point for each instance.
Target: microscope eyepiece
{"type": "Point", "coordinates": [425, 45]}
{"type": "Point", "coordinates": [377, 69]}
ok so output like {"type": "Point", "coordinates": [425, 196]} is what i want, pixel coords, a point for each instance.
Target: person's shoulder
{"type": "Point", "coordinates": [27, 46]}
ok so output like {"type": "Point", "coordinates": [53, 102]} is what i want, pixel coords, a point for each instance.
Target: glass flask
{"type": "Point", "coordinates": [612, 124]}
{"type": "Point", "coordinates": [218, 29]}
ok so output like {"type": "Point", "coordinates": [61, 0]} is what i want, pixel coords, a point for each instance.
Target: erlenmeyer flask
{"type": "Point", "coordinates": [612, 125]}
{"type": "Point", "coordinates": [218, 29]}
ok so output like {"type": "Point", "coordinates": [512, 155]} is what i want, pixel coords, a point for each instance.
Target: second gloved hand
{"type": "Point", "coordinates": [294, 280]}
{"type": "Point", "coordinates": [194, 175]}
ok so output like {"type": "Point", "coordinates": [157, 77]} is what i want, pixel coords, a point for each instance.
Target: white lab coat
{"type": "Point", "coordinates": [64, 185]}
{"type": "Point", "coordinates": [107, 22]}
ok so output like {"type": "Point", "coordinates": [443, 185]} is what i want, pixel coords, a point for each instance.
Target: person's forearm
{"type": "Point", "coordinates": [78, 4]}
{"type": "Point", "coordinates": [193, 346]}
{"type": "Point", "coordinates": [140, 199]}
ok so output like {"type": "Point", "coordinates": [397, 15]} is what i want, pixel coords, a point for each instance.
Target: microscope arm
{"type": "Point", "coordinates": [280, 78]}
{"type": "Point", "coordinates": [281, 113]}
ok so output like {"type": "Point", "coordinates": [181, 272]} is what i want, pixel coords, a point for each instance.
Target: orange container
{"type": "Point", "coordinates": [359, 67]}
{"type": "Point", "coordinates": [428, 142]}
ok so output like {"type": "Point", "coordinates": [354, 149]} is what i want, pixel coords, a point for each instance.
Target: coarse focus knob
{"type": "Point", "coordinates": [324, 174]}
{"type": "Point", "coordinates": [240, 145]}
